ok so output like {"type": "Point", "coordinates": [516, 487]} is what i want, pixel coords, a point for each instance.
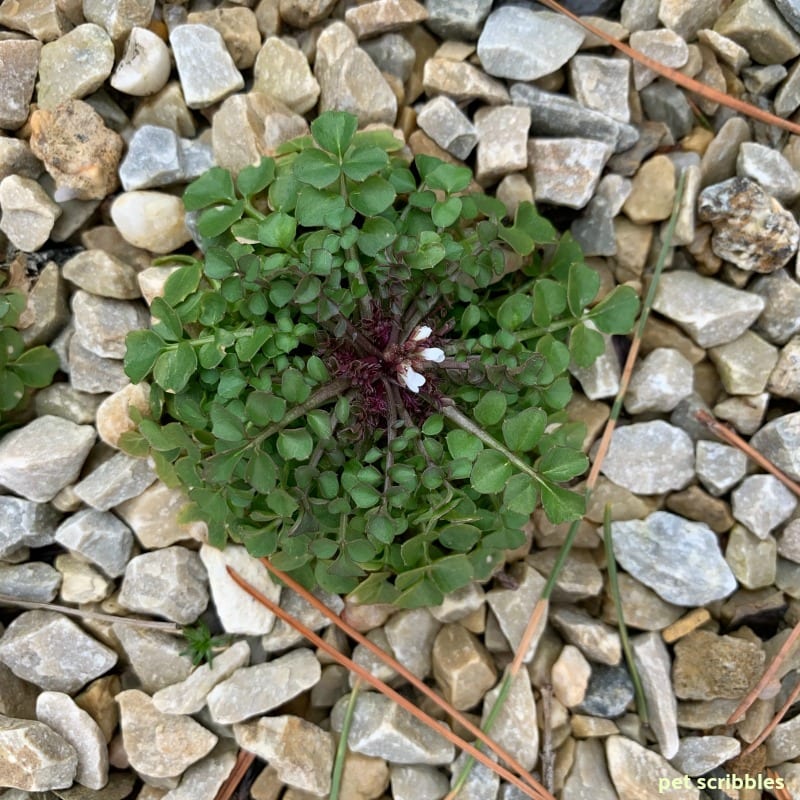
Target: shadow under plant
{"type": "Point", "coordinates": [365, 376]}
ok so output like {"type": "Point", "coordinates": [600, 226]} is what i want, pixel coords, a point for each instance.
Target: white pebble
{"type": "Point", "coordinates": [153, 221]}
{"type": "Point", "coordinates": [145, 65]}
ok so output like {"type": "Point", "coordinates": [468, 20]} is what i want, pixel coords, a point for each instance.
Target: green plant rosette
{"type": "Point", "coordinates": [364, 378]}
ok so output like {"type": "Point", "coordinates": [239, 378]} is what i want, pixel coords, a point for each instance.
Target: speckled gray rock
{"type": "Point", "coordinates": [34, 758]}
{"type": "Point", "coordinates": [698, 755]}
{"type": "Point", "coordinates": [62, 400]}
{"type": "Point", "coordinates": [650, 457]}
{"type": "Point", "coordinates": [145, 64]}
{"type": "Point", "coordinates": [417, 782]}
{"type": "Point", "coordinates": [282, 71]}
{"type": "Point", "coordinates": [482, 783]}
{"type": "Point", "coordinates": [719, 466]}
{"type": "Point", "coordinates": [635, 771]}
{"type": "Point", "coordinates": [33, 581]}
{"type": "Point", "coordinates": [155, 657]}
{"type": "Point", "coordinates": [381, 728]}
{"type": "Point", "coordinates": [300, 752]}
{"type": "Point", "coordinates": [115, 480]}
{"type": "Point", "coordinates": [462, 82]}
{"type": "Point", "coordinates": [93, 374]}
{"type": "Point", "coordinates": [74, 65]}
{"type": "Point", "coordinates": [25, 524]}
{"type": "Point", "coordinates": [448, 126]}
{"type": "Point", "coordinates": [779, 441]}
{"type": "Point", "coordinates": [653, 663]}
{"type": "Point", "coordinates": [751, 229]}
{"type": "Point", "coordinates": [711, 312]}
{"type": "Point", "coordinates": [752, 559]}
{"type": "Point", "coordinates": [170, 583]}
{"type": "Point", "coordinates": [558, 115]}
{"type": "Point", "coordinates": [771, 170]}
{"type": "Point", "coordinates": [28, 213]}
{"type": "Point", "coordinates": [44, 456]}
{"type": "Point", "coordinates": [596, 640]}
{"type": "Point", "coordinates": [602, 84]}
{"type": "Point", "coordinates": [16, 158]}
{"type": "Point", "coordinates": [502, 142]}
{"type": "Point", "coordinates": [189, 695]}
{"type": "Point", "coordinates": [457, 19]}
{"type": "Point", "coordinates": [758, 27]}
{"type": "Point", "coordinates": [609, 692]}
{"type": "Point", "coordinates": [659, 382]}
{"type": "Point", "coordinates": [663, 45]}
{"type": "Point", "coordinates": [205, 66]}
{"type": "Point", "coordinates": [745, 364]}
{"type": "Point", "coordinates": [238, 612]}
{"type": "Point", "coordinates": [20, 62]}
{"type": "Point", "coordinates": [678, 559]}
{"type": "Point", "coordinates": [98, 536]}
{"type": "Point", "coordinates": [594, 230]}
{"type": "Point", "coordinates": [392, 53]}
{"type": "Point", "coordinates": [410, 634]}
{"type": "Point", "coordinates": [160, 745]}
{"type": "Point", "coordinates": [263, 687]}
{"type": "Point", "coordinates": [762, 503]}
{"type": "Point", "coordinates": [103, 274]}
{"type": "Point", "coordinates": [51, 651]}
{"type": "Point", "coordinates": [349, 80]}
{"type": "Point", "coordinates": [707, 666]}
{"type": "Point", "coordinates": [566, 171]}
{"type": "Point", "coordinates": [504, 46]}
{"type": "Point", "coordinates": [102, 323]}
{"type": "Point", "coordinates": [60, 712]}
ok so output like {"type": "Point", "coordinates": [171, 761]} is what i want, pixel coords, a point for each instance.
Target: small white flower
{"type": "Point", "coordinates": [421, 333]}
{"type": "Point", "coordinates": [410, 377]}
{"type": "Point", "coordinates": [433, 354]}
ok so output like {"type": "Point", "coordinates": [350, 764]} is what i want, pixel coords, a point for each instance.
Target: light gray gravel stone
{"type": "Point", "coordinates": [100, 273]}
{"type": "Point", "coordinates": [60, 712]}
{"type": "Point", "coordinates": [155, 657]}
{"type": "Point", "coordinates": [34, 758]}
{"type": "Point", "coordinates": [725, 49]}
{"type": "Point", "coordinates": [787, 98]}
{"type": "Point", "coordinates": [653, 663]}
{"type": "Point", "coordinates": [448, 126]}
{"type": "Point", "coordinates": [566, 171]}
{"type": "Point", "coordinates": [678, 559]}
{"type": "Point", "coordinates": [120, 478]}
{"type": "Point", "coordinates": [203, 779]}
{"type": "Point", "coordinates": [650, 457]}
{"type": "Point", "coordinates": [51, 651]}
{"type": "Point", "coordinates": [28, 213]}
{"type": "Point", "coordinates": [596, 640]}
{"type": "Point", "coordinates": [93, 374]}
{"type": "Point", "coordinates": [662, 101]}
{"type": "Point", "coordinates": [594, 230]}
{"type": "Point", "coordinates": [457, 19]}
{"type": "Point", "coordinates": [160, 745]}
{"type": "Point", "coordinates": [20, 63]}
{"type": "Point", "coordinates": [189, 695]}
{"type": "Point", "coordinates": [98, 536]}
{"type": "Point", "coordinates": [719, 466]}
{"type": "Point", "coordinates": [761, 503]}
{"type": "Point", "coordinates": [282, 71]}
{"type": "Point", "coordinates": [588, 779]}
{"type": "Point", "coordinates": [638, 15]}
{"type": "Point", "coordinates": [263, 687]}
{"type": "Point", "coordinates": [482, 783]}
{"type": "Point", "coordinates": [411, 634]}
{"type": "Point", "coordinates": [44, 456]}
{"type": "Point", "coordinates": [688, 20]}
{"type": "Point", "coordinates": [659, 382]}
{"type": "Point", "coordinates": [205, 66]}
{"type": "Point", "coordinates": [745, 364]}
{"type": "Point", "coordinates": [238, 612]}
{"type": "Point", "coordinates": [663, 45]}
{"type": "Point", "coordinates": [770, 169]}
{"type": "Point", "coordinates": [783, 744]}
{"type": "Point", "coordinates": [711, 312]}
{"type": "Point", "coordinates": [33, 581]}
{"type": "Point", "coordinates": [557, 115]}
{"type": "Point", "coordinates": [381, 728]}
{"type": "Point", "coordinates": [779, 441]}
{"type": "Point", "coordinates": [74, 65]}
{"type": "Point", "coordinates": [504, 44]}
{"type": "Point", "coordinates": [502, 142]}
{"type": "Point", "coordinates": [119, 17]}
{"type": "Point", "coordinates": [698, 755]}
{"type": "Point", "coordinates": [24, 523]}
{"type": "Point", "coordinates": [171, 583]}
{"type": "Point", "coordinates": [392, 53]}
{"type": "Point", "coordinates": [780, 319]}
{"type": "Point", "coordinates": [602, 84]}
{"type": "Point", "coordinates": [758, 27]}
{"type": "Point", "coordinates": [284, 635]}
{"type": "Point", "coordinates": [417, 782]}
{"type": "Point", "coordinates": [300, 752]}
{"type": "Point", "coordinates": [462, 82]}
{"type": "Point", "coordinates": [102, 323]}
{"type": "Point", "coordinates": [784, 381]}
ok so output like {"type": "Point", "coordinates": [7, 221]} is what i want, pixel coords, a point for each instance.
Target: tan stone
{"type": "Point", "coordinates": [686, 624]}
{"type": "Point", "coordinates": [381, 16]}
{"type": "Point", "coordinates": [238, 28]}
{"type": "Point", "coordinates": [571, 674]}
{"type": "Point", "coordinates": [113, 413]}
{"type": "Point", "coordinates": [652, 191]}
{"type": "Point", "coordinates": [97, 700]}
{"type": "Point", "coordinates": [363, 777]}
{"type": "Point", "coordinates": [694, 503]}
{"type": "Point", "coordinates": [462, 666]}
{"type": "Point", "coordinates": [282, 72]}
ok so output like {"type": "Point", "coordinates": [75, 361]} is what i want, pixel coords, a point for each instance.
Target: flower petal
{"type": "Point", "coordinates": [421, 333]}
{"type": "Point", "coordinates": [433, 354]}
{"type": "Point", "coordinates": [411, 378]}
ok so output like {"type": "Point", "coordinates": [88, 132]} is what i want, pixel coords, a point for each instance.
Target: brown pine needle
{"type": "Point", "coordinates": [733, 438]}
{"type": "Point", "coordinates": [679, 78]}
{"type": "Point", "coordinates": [774, 721]}
{"type": "Point", "coordinates": [781, 793]}
{"type": "Point", "coordinates": [536, 792]}
{"type": "Point", "coordinates": [767, 677]}
{"type": "Point", "coordinates": [243, 762]}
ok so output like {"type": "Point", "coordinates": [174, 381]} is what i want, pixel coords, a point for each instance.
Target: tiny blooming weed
{"type": "Point", "coordinates": [364, 376]}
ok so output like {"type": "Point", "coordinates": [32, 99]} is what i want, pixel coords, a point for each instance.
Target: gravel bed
{"type": "Point", "coordinates": [107, 109]}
